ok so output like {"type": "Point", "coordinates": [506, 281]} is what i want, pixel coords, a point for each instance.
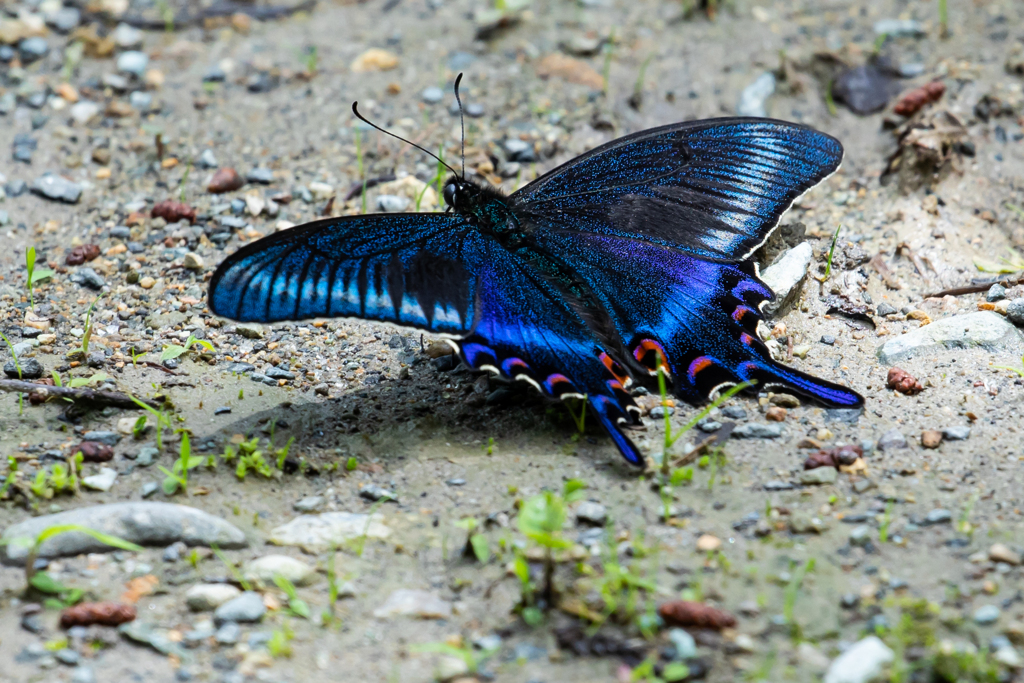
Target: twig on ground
{"type": "Point", "coordinates": [975, 289]}
{"type": "Point", "coordinates": [110, 398]}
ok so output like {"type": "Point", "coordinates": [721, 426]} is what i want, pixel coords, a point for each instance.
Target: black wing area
{"type": "Point", "coordinates": [714, 188]}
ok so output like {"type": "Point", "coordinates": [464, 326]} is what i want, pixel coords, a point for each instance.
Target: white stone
{"type": "Point", "coordinates": [414, 603]}
{"type": "Point", "coordinates": [754, 96]}
{"type": "Point", "coordinates": [321, 190]}
{"type": "Point", "coordinates": [984, 329]}
{"type": "Point", "coordinates": [861, 663]}
{"type": "Point", "coordinates": [785, 275]}
{"type": "Point", "coordinates": [102, 481]}
{"type": "Point", "coordinates": [318, 533]}
{"type": "Point", "coordinates": [83, 111]}
{"type": "Point", "coordinates": [264, 569]}
{"type": "Point", "coordinates": [206, 597]}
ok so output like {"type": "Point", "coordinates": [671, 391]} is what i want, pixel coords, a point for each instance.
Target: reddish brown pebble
{"type": "Point", "coordinates": [225, 180]}
{"type": "Point", "coordinates": [172, 211]}
{"type": "Point", "coordinates": [82, 253]}
{"type": "Point", "coordinates": [834, 457]}
{"type": "Point", "coordinates": [903, 382]}
{"type": "Point", "coordinates": [686, 613]}
{"type": "Point", "coordinates": [775, 414]}
{"type": "Point", "coordinates": [931, 438]}
{"type": "Point", "coordinates": [94, 451]}
{"type": "Point", "coordinates": [912, 102]}
{"type": "Point", "coordinates": [103, 613]}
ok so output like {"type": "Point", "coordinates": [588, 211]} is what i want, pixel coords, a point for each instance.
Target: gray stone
{"type": "Point", "coordinates": [144, 523]}
{"type": "Point", "coordinates": [146, 456]}
{"type": "Point", "coordinates": [895, 28]}
{"type": "Point", "coordinates": [392, 203]}
{"type": "Point", "coordinates": [862, 662]}
{"type": "Point", "coordinates": [133, 63]}
{"type": "Point", "coordinates": [1015, 312]}
{"type": "Point", "coordinates": [938, 516]}
{"type": "Point", "coordinates": [30, 368]}
{"type": "Point", "coordinates": [310, 504]}
{"type": "Point", "coordinates": [432, 95]}
{"type": "Point", "coordinates": [32, 49]}
{"type": "Point", "coordinates": [319, 533]}
{"type": "Point", "coordinates": [995, 292]}
{"type": "Point", "coordinates": [109, 438]}
{"type": "Point", "coordinates": [892, 440]}
{"type": "Point", "coordinates": [474, 110]}
{"type": "Point", "coordinates": [141, 101]}
{"type": "Point", "coordinates": [115, 81]}
{"type": "Point", "coordinates": [684, 644]}
{"type": "Point", "coordinates": [778, 485]}
{"type": "Point", "coordinates": [16, 188]}
{"type": "Point", "coordinates": [414, 603]}
{"type": "Point", "coordinates": [249, 331]}
{"type": "Point", "coordinates": [755, 430]}
{"type": "Point", "coordinates": [149, 488]}
{"type": "Point", "coordinates": [55, 187]}
{"type": "Point", "coordinates": [83, 674]}
{"type": "Point", "coordinates": [986, 615]}
{"type": "Point", "coordinates": [592, 513]}
{"type": "Point", "coordinates": [207, 159]}
{"type": "Point", "coordinates": [375, 493]}
{"type": "Point", "coordinates": [984, 329]}
{"type": "Point", "coordinates": [279, 373]}
{"type": "Point", "coordinates": [958, 433]}
{"type": "Point", "coordinates": [228, 634]}
{"type": "Point", "coordinates": [104, 481]}
{"type": "Point", "coordinates": [206, 597]}
{"type": "Point", "coordinates": [860, 535]}
{"type": "Point", "coordinates": [87, 277]}
{"type": "Point", "coordinates": [819, 475]}
{"type": "Point", "coordinates": [239, 367]}
{"type": "Point", "coordinates": [172, 553]}
{"type": "Point", "coordinates": [147, 634]}
{"type": "Point", "coordinates": [65, 20]}
{"type": "Point", "coordinates": [785, 275]}
{"type": "Point", "coordinates": [247, 608]}
{"type": "Point", "coordinates": [262, 570]}
{"type": "Point", "coordinates": [885, 309]}
{"type": "Point", "coordinates": [520, 150]}
{"type": "Point", "coordinates": [754, 96]}
{"type": "Point", "coordinates": [127, 37]}
{"type": "Point", "coordinates": [261, 175]}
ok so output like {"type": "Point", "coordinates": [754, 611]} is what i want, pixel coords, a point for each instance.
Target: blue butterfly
{"type": "Point", "coordinates": [628, 258]}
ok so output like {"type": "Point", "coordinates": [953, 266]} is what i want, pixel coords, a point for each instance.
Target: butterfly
{"type": "Point", "coordinates": [626, 262]}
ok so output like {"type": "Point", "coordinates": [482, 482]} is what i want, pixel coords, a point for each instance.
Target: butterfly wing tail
{"type": "Point", "coordinates": [769, 374]}
{"type": "Point", "coordinates": [612, 419]}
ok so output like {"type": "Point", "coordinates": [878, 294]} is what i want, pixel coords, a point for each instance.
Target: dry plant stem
{"type": "Point", "coordinates": [109, 398]}
{"type": "Point", "coordinates": [975, 289]}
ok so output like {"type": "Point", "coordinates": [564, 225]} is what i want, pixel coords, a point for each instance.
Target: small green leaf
{"type": "Point", "coordinates": [481, 548]}
{"type": "Point", "coordinates": [40, 275]}
{"type": "Point", "coordinates": [170, 352]}
{"type": "Point", "coordinates": [44, 583]}
{"type": "Point", "coordinates": [675, 671]}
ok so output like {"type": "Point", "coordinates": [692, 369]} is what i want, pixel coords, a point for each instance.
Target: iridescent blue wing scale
{"type": "Point", "coordinates": [430, 272]}
{"type": "Point", "coordinates": [713, 188]}
{"type": "Point", "coordinates": [406, 269]}
{"type": "Point", "coordinates": [699, 316]}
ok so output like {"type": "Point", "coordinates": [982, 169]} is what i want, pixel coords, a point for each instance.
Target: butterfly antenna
{"type": "Point", "coordinates": [362, 118]}
{"type": "Point", "coordinates": [462, 123]}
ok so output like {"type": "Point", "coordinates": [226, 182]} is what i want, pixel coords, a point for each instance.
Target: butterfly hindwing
{"type": "Point", "coordinates": [527, 332]}
{"type": "Point", "coordinates": [407, 269]}
{"type": "Point", "coordinates": [713, 188]}
{"type": "Point", "coordinates": [699, 316]}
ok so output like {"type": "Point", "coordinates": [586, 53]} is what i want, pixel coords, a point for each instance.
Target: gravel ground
{"type": "Point", "coordinates": [901, 559]}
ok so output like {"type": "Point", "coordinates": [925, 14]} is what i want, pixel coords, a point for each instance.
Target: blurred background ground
{"type": "Point", "coordinates": [241, 112]}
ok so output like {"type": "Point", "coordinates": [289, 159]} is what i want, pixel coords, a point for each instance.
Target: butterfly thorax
{"type": "Point", "coordinates": [486, 209]}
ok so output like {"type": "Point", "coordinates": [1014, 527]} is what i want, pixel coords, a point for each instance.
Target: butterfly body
{"type": "Point", "coordinates": [630, 258]}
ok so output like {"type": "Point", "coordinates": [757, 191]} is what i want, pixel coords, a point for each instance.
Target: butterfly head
{"type": "Point", "coordinates": [460, 196]}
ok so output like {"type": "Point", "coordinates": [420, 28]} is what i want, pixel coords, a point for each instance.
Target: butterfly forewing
{"type": "Point", "coordinates": [407, 269]}
{"type": "Point", "coordinates": [712, 188]}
